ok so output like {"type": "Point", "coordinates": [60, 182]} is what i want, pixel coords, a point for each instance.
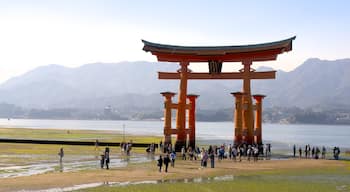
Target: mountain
{"type": "Point", "coordinates": [133, 86]}
{"type": "Point", "coordinates": [315, 83]}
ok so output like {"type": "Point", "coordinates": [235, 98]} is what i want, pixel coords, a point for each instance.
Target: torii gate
{"type": "Point", "coordinates": [245, 131]}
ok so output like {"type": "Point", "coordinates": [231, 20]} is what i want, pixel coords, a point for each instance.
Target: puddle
{"type": "Point", "coordinates": [120, 184]}
{"type": "Point", "coordinates": [341, 188]}
{"type": "Point", "coordinates": [72, 164]}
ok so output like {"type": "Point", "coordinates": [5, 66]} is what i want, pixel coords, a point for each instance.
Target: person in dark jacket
{"type": "Point", "coordinates": [166, 162]}
{"type": "Point", "coordinates": [160, 163]}
{"type": "Point", "coordinates": [212, 159]}
{"type": "Point", "coordinates": [107, 157]}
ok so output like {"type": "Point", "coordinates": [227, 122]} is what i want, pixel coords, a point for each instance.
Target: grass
{"type": "Point", "coordinates": [77, 135]}
{"type": "Point", "coordinates": [229, 186]}
{"type": "Point", "coordinates": [332, 178]}
{"type": "Point", "coordinates": [311, 180]}
{"type": "Point", "coordinates": [20, 154]}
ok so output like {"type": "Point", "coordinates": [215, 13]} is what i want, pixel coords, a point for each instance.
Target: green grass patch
{"type": "Point", "coordinates": [75, 135]}
{"type": "Point", "coordinates": [310, 179]}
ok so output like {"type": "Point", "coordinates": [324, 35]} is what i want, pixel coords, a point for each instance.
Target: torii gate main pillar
{"type": "Point", "coordinates": [181, 108]}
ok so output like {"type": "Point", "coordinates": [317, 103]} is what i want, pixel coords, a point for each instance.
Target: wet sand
{"type": "Point", "coordinates": [149, 172]}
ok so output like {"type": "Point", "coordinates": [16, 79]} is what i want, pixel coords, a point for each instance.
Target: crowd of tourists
{"type": "Point", "coordinates": [314, 152]}
{"type": "Point", "coordinates": [212, 153]}
{"type": "Point", "coordinates": [126, 147]}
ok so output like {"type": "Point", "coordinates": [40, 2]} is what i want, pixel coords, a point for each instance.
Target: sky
{"type": "Point", "coordinates": [76, 32]}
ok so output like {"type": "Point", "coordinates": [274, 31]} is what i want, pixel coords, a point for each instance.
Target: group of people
{"type": "Point", "coordinates": [168, 158]}
{"type": "Point", "coordinates": [126, 147]}
{"type": "Point", "coordinates": [314, 152]}
{"type": "Point", "coordinates": [105, 159]}
{"type": "Point", "coordinates": [227, 152]}
{"type": "Point", "coordinates": [250, 152]}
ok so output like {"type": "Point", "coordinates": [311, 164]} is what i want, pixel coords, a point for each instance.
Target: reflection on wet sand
{"type": "Point", "coordinates": [66, 165]}
{"type": "Point", "coordinates": [119, 184]}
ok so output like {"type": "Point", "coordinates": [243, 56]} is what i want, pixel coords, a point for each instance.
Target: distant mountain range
{"type": "Point", "coordinates": [133, 86]}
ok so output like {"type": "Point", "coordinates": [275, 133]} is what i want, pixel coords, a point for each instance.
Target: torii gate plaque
{"type": "Point", "coordinates": [245, 131]}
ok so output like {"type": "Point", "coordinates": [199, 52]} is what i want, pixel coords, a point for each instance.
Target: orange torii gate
{"type": "Point", "coordinates": [245, 131]}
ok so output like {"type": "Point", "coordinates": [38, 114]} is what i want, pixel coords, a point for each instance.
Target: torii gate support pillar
{"type": "Point", "coordinates": [258, 119]}
{"type": "Point", "coordinates": [167, 116]}
{"type": "Point", "coordinates": [238, 118]}
{"type": "Point", "coordinates": [192, 120]}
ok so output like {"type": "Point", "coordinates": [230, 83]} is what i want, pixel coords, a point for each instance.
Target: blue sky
{"type": "Point", "coordinates": [72, 33]}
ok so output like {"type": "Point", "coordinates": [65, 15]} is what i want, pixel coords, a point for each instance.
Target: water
{"type": "Point", "coordinates": [70, 163]}
{"type": "Point", "coordinates": [328, 135]}
{"type": "Point", "coordinates": [119, 184]}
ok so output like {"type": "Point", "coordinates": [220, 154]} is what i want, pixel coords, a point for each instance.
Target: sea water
{"type": "Point", "coordinates": [287, 134]}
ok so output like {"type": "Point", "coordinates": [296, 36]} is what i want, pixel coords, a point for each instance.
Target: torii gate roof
{"type": "Point", "coordinates": [254, 52]}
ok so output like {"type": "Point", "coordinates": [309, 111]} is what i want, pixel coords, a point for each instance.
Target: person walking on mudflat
{"type": "Point", "coordinates": [212, 159]}
{"type": "Point", "coordinates": [166, 162]}
{"type": "Point", "coordinates": [160, 163]}
{"type": "Point", "coordinates": [294, 150]}
{"type": "Point", "coordinates": [61, 154]}
{"type": "Point", "coordinates": [172, 158]}
{"type": "Point", "coordinates": [107, 157]}
{"type": "Point", "coordinates": [183, 152]}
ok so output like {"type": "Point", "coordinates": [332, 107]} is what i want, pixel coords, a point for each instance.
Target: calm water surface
{"type": "Point", "coordinates": [328, 135]}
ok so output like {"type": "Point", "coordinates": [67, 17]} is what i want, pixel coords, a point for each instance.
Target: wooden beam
{"type": "Point", "coordinates": [267, 55]}
{"type": "Point", "coordinates": [234, 75]}
{"type": "Point", "coordinates": [174, 131]}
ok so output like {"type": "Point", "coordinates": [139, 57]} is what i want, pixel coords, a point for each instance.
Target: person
{"type": "Point", "coordinates": [294, 150]}
{"type": "Point", "coordinates": [317, 152]}
{"type": "Point", "coordinates": [183, 153]}
{"type": "Point", "coordinates": [255, 153]}
{"type": "Point", "coordinates": [96, 145]}
{"type": "Point", "coordinates": [300, 152]}
{"type": "Point", "coordinates": [148, 149]}
{"type": "Point", "coordinates": [269, 149]}
{"type": "Point", "coordinates": [323, 152]}
{"type": "Point", "coordinates": [234, 153]}
{"type": "Point", "coordinates": [266, 152]}
{"type": "Point", "coordinates": [102, 161]}
{"type": "Point", "coordinates": [190, 153]}
{"type": "Point", "coordinates": [205, 158]}
{"type": "Point", "coordinates": [249, 152]}
{"type": "Point", "coordinates": [160, 163]}
{"type": "Point", "coordinates": [172, 158]}
{"type": "Point", "coordinates": [106, 156]}
{"type": "Point", "coordinates": [61, 154]}
{"type": "Point", "coordinates": [166, 162]}
{"type": "Point", "coordinates": [212, 159]}
{"type": "Point", "coordinates": [240, 153]}
{"type": "Point", "coordinates": [306, 150]}
{"type": "Point", "coordinates": [230, 151]}
{"type": "Point", "coordinates": [161, 147]}
{"type": "Point", "coordinates": [336, 152]}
